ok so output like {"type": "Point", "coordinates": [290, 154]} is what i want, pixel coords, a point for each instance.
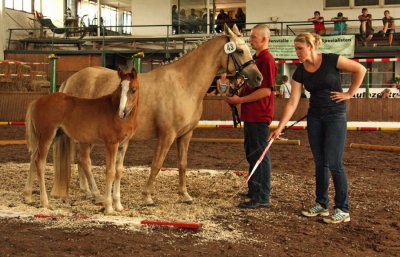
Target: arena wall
{"type": "Point", "coordinates": [13, 108]}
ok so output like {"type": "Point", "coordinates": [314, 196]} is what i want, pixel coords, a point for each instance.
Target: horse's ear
{"type": "Point", "coordinates": [236, 31]}
{"type": "Point", "coordinates": [133, 73]}
{"type": "Point", "coordinates": [227, 30]}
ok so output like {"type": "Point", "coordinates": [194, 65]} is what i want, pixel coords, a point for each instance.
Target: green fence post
{"type": "Point", "coordinates": [367, 83]}
{"type": "Point", "coordinates": [53, 73]}
{"type": "Point", "coordinates": [137, 61]}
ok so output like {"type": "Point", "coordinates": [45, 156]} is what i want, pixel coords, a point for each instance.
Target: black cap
{"type": "Point", "coordinates": [340, 14]}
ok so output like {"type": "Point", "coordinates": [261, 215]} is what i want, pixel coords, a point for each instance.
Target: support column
{"type": "Point", "coordinates": [2, 30]}
{"type": "Point", "coordinates": [98, 13]}
{"type": "Point", "coordinates": [53, 73]}
{"type": "Point", "coordinates": [137, 61]}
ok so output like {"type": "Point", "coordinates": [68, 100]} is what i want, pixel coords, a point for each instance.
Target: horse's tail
{"type": "Point", "coordinates": [62, 158]}
{"type": "Point", "coordinates": [62, 153]}
{"type": "Point", "coordinates": [31, 136]}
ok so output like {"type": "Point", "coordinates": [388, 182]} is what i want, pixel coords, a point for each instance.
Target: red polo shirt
{"type": "Point", "coordinates": [263, 109]}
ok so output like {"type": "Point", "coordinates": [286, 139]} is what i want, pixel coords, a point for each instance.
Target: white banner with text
{"type": "Point", "coordinates": [282, 47]}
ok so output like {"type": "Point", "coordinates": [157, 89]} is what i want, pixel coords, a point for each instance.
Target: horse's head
{"type": "Point", "coordinates": [129, 92]}
{"type": "Point", "coordinates": [239, 59]}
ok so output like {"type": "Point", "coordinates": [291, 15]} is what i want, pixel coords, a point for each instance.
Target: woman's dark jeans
{"type": "Point", "coordinates": [255, 142]}
{"type": "Point", "coordinates": [327, 135]}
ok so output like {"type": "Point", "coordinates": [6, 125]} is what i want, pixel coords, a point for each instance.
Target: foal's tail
{"type": "Point", "coordinates": [31, 136]}
{"type": "Point", "coordinates": [62, 158]}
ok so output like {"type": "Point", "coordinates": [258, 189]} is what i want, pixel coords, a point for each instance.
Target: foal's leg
{"type": "Point", "coordinates": [29, 182]}
{"type": "Point", "coordinates": [117, 182]}
{"type": "Point", "coordinates": [163, 145]}
{"type": "Point", "coordinates": [111, 157]}
{"type": "Point", "coordinates": [40, 162]}
{"type": "Point", "coordinates": [85, 172]}
{"type": "Point", "coordinates": [183, 147]}
{"type": "Point", "coordinates": [84, 167]}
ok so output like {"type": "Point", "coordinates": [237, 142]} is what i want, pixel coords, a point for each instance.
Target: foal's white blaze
{"type": "Point", "coordinates": [124, 97]}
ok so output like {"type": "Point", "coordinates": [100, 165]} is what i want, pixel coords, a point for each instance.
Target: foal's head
{"type": "Point", "coordinates": [129, 92]}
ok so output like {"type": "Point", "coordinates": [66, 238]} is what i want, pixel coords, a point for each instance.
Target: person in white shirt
{"type": "Point", "coordinates": [285, 89]}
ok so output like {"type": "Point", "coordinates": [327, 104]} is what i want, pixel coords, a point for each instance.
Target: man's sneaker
{"type": "Point", "coordinates": [315, 210]}
{"type": "Point", "coordinates": [338, 217]}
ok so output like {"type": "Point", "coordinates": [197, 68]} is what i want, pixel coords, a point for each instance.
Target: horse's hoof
{"type": "Point", "coordinates": [187, 201]}
{"type": "Point", "coordinates": [119, 208]}
{"type": "Point", "coordinates": [28, 200]}
{"type": "Point", "coordinates": [109, 211]}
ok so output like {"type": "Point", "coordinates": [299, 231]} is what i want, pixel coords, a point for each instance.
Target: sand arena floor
{"type": "Point", "coordinates": [78, 227]}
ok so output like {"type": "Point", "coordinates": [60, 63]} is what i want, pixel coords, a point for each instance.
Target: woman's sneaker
{"type": "Point", "coordinates": [338, 217]}
{"type": "Point", "coordinates": [315, 210]}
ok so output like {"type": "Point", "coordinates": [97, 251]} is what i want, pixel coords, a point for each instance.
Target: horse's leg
{"type": "Point", "coordinates": [163, 145]}
{"type": "Point", "coordinates": [117, 182]}
{"type": "Point", "coordinates": [40, 162]}
{"type": "Point", "coordinates": [84, 164]}
{"type": "Point", "coordinates": [29, 182]}
{"type": "Point", "coordinates": [183, 147]}
{"type": "Point", "coordinates": [111, 157]}
{"type": "Point", "coordinates": [85, 172]}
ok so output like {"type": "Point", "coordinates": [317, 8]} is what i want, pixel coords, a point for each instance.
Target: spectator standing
{"type": "Point", "coordinates": [183, 21]}
{"type": "Point", "coordinates": [319, 25]}
{"type": "Point", "coordinates": [175, 18]}
{"type": "Point", "coordinates": [257, 109]}
{"type": "Point", "coordinates": [286, 88]}
{"type": "Point", "coordinates": [222, 17]}
{"type": "Point", "coordinates": [193, 22]}
{"type": "Point", "coordinates": [339, 24]}
{"type": "Point", "coordinates": [366, 29]}
{"type": "Point", "coordinates": [326, 120]}
{"type": "Point", "coordinates": [240, 19]}
{"type": "Point", "coordinates": [388, 26]}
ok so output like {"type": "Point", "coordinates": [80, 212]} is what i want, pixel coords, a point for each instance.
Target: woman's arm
{"type": "Point", "coordinates": [358, 72]}
{"type": "Point", "coordinates": [290, 108]}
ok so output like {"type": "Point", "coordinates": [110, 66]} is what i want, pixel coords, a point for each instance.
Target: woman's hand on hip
{"type": "Point", "coordinates": [340, 96]}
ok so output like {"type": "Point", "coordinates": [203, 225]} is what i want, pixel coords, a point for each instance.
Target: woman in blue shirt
{"type": "Point", "coordinates": [326, 120]}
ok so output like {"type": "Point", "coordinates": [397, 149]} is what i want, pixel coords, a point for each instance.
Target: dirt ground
{"type": "Point", "coordinates": [78, 227]}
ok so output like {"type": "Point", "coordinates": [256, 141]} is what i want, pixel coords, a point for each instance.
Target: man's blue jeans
{"type": "Point", "coordinates": [327, 135]}
{"type": "Point", "coordinates": [255, 141]}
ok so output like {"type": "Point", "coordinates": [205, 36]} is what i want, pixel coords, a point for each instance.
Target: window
{"type": "Point", "coordinates": [19, 5]}
{"type": "Point", "coordinates": [337, 3]}
{"type": "Point", "coordinates": [109, 15]}
{"type": "Point", "coordinates": [390, 2]}
{"type": "Point", "coordinates": [126, 21]}
{"type": "Point", "coordinates": [365, 2]}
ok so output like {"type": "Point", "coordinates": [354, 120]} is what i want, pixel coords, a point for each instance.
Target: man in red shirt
{"type": "Point", "coordinates": [319, 25]}
{"type": "Point", "coordinates": [257, 109]}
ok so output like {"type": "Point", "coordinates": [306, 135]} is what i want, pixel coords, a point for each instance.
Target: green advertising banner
{"type": "Point", "coordinates": [282, 47]}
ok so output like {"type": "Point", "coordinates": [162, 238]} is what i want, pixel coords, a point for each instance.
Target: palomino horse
{"type": "Point", "coordinates": [171, 98]}
{"type": "Point", "coordinates": [110, 119]}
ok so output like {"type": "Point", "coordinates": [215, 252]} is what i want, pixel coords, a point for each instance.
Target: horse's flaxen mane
{"type": "Point", "coordinates": [193, 48]}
